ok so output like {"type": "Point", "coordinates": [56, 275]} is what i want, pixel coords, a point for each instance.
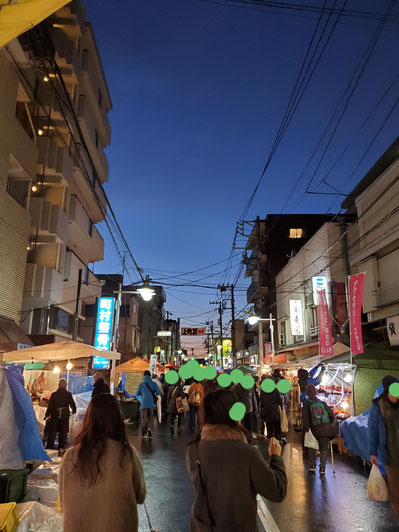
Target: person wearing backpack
{"type": "Point", "coordinates": [148, 392]}
{"type": "Point", "coordinates": [195, 396]}
{"type": "Point", "coordinates": [319, 418]}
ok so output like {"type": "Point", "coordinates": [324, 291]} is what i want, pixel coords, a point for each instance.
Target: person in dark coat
{"type": "Point", "coordinates": [174, 392]}
{"type": "Point", "coordinates": [270, 412]}
{"type": "Point", "coordinates": [306, 377]}
{"type": "Point", "coordinates": [246, 397]}
{"type": "Point", "coordinates": [58, 412]}
{"type": "Point", "coordinates": [322, 431]}
{"type": "Point", "coordinates": [99, 385]}
{"type": "Point", "coordinates": [230, 471]}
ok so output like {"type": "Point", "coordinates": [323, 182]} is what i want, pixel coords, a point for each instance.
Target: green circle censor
{"type": "Point", "coordinates": [284, 386]}
{"type": "Point", "coordinates": [224, 380]}
{"type": "Point", "coordinates": [210, 372]}
{"type": "Point", "coordinates": [268, 385]}
{"type": "Point", "coordinates": [171, 376]}
{"type": "Point", "coordinates": [236, 375]}
{"type": "Point", "coordinates": [237, 411]}
{"type": "Point", "coordinates": [247, 382]}
{"type": "Point", "coordinates": [186, 372]}
{"type": "Point", "coordinates": [199, 373]}
{"type": "Point", "coordinates": [394, 389]}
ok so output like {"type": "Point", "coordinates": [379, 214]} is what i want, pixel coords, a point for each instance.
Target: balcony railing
{"type": "Point", "coordinates": [314, 332]}
{"type": "Point", "coordinates": [387, 295]}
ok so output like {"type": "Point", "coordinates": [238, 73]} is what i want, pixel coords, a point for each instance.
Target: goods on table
{"type": "Point", "coordinates": [8, 517]}
{"type": "Point", "coordinates": [37, 517]}
{"type": "Point", "coordinates": [44, 491]}
{"type": "Point", "coordinates": [13, 484]}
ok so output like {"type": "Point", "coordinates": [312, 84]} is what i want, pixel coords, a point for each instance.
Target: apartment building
{"type": "Point", "coordinates": [52, 168]}
{"type": "Point", "coordinates": [323, 262]}
{"type": "Point", "coordinates": [375, 202]}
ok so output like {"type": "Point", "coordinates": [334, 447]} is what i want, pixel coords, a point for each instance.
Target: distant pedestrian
{"type": "Point", "coordinates": [101, 478]}
{"type": "Point", "coordinates": [195, 397]}
{"type": "Point", "coordinates": [270, 404]}
{"type": "Point", "coordinates": [174, 408]}
{"type": "Point", "coordinates": [148, 392]}
{"type": "Point", "coordinates": [100, 386]}
{"type": "Point", "coordinates": [246, 397]}
{"type": "Point", "coordinates": [319, 418]}
{"type": "Point", "coordinates": [57, 414]}
{"type": "Point", "coordinates": [383, 436]}
{"type": "Point", "coordinates": [228, 472]}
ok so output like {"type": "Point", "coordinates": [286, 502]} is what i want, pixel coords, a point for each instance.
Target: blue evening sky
{"type": "Point", "coordinates": [198, 93]}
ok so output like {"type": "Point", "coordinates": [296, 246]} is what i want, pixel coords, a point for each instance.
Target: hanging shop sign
{"type": "Point", "coordinates": [319, 283]}
{"type": "Point", "coordinates": [356, 285]}
{"type": "Point", "coordinates": [153, 364]}
{"type": "Point", "coordinates": [227, 347]}
{"type": "Point", "coordinates": [268, 349]}
{"type": "Point", "coordinates": [103, 335]}
{"type": "Point", "coordinates": [296, 317]}
{"type": "Point", "coordinates": [193, 331]}
{"type": "Point", "coordinates": [326, 347]}
{"type": "Point", "coordinates": [164, 333]}
{"type": "Point", "coordinates": [393, 330]}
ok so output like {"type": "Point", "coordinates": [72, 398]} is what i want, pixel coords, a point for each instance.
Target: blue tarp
{"type": "Point", "coordinates": [29, 441]}
{"type": "Point", "coordinates": [355, 433]}
{"type": "Point", "coordinates": [78, 383]}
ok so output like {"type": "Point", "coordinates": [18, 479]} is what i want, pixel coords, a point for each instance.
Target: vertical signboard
{"type": "Point", "coordinates": [103, 335]}
{"type": "Point", "coordinates": [227, 347]}
{"type": "Point", "coordinates": [356, 285]}
{"type": "Point", "coordinates": [153, 364]}
{"type": "Point", "coordinates": [325, 337]}
{"type": "Point", "coordinates": [296, 317]}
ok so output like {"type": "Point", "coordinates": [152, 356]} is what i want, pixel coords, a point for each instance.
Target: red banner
{"type": "Point", "coordinates": [325, 337]}
{"type": "Point", "coordinates": [356, 285]}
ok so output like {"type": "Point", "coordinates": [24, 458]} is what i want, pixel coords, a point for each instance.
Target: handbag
{"type": "Point", "coordinates": [283, 420]}
{"type": "Point", "coordinates": [185, 405]}
{"type": "Point", "coordinates": [310, 441]}
{"type": "Point", "coordinates": [202, 498]}
{"type": "Point", "coordinates": [377, 489]}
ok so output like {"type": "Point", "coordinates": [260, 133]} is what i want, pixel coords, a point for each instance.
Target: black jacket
{"type": "Point", "coordinates": [269, 405]}
{"type": "Point", "coordinates": [100, 387]}
{"type": "Point", "coordinates": [324, 430]}
{"type": "Point", "coordinates": [59, 404]}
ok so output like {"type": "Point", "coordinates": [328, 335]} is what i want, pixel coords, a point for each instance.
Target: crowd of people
{"type": "Point", "coordinates": [225, 465]}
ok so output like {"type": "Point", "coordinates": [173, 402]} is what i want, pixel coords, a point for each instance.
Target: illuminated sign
{"type": "Point", "coordinates": [319, 283]}
{"type": "Point", "coordinates": [195, 331]}
{"type": "Point", "coordinates": [164, 333]}
{"type": "Point", "coordinates": [103, 335]}
{"type": "Point", "coordinates": [227, 347]}
{"type": "Point", "coordinates": [296, 317]}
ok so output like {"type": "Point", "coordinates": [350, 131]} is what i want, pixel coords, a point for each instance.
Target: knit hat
{"type": "Point", "coordinates": [387, 381]}
{"type": "Point", "coordinates": [62, 383]}
{"type": "Point", "coordinates": [310, 391]}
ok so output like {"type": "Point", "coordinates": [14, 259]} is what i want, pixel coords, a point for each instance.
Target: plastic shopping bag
{"type": "Point", "coordinates": [310, 440]}
{"type": "Point", "coordinates": [377, 488]}
{"type": "Point", "coordinates": [283, 420]}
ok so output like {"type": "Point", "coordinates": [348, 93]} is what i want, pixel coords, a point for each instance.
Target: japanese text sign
{"type": "Point", "coordinates": [296, 317]}
{"type": "Point", "coordinates": [326, 347]}
{"type": "Point", "coordinates": [356, 285]}
{"type": "Point", "coordinates": [103, 335]}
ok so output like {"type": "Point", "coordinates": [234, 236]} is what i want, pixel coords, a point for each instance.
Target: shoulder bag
{"type": "Point", "coordinates": [202, 499]}
{"type": "Point", "coordinates": [154, 395]}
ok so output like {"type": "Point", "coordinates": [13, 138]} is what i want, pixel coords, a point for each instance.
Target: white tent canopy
{"type": "Point", "coordinates": [68, 350]}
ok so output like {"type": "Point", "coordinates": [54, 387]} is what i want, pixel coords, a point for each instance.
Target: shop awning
{"type": "Point", "coordinates": [137, 365]}
{"type": "Point", "coordinates": [12, 337]}
{"type": "Point", "coordinates": [68, 350]}
{"type": "Point", "coordinates": [19, 16]}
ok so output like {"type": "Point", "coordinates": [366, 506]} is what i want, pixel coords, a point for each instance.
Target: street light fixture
{"type": "Point", "coordinates": [146, 292]}
{"type": "Point", "coordinates": [253, 320]}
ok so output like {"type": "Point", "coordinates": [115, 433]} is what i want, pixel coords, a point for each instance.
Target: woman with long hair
{"type": "Point", "coordinates": [101, 477]}
{"type": "Point", "coordinates": [228, 472]}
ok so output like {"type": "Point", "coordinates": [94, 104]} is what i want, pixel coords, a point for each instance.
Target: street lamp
{"type": "Point", "coordinates": [146, 292]}
{"type": "Point", "coordinates": [253, 320]}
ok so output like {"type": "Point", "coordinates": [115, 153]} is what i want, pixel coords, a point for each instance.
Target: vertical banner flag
{"type": "Point", "coordinates": [356, 285]}
{"type": "Point", "coordinates": [325, 336]}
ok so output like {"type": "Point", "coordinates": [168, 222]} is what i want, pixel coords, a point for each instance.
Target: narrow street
{"type": "Point", "coordinates": [336, 503]}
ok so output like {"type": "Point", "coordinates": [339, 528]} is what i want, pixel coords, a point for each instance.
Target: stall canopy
{"type": "Point", "coordinates": [18, 16]}
{"type": "Point", "coordinates": [137, 365]}
{"type": "Point", "coordinates": [68, 350]}
{"type": "Point", "coordinates": [170, 365]}
{"type": "Point", "coordinates": [11, 335]}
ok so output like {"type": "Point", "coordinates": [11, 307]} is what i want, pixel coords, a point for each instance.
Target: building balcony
{"type": "Point", "coordinates": [83, 236]}
{"type": "Point", "coordinates": [89, 88]}
{"type": "Point", "coordinates": [67, 55]}
{"type": "Point", "coordinates": [255, 292]}
{"type": "Point", "coordinates": [42, 285]}
{"type": "Point", "coordinates": [23, 149]}
{"type": "Point", "coordinates": [48, 220]}
{"type": "Point", "coordinates": [90, 287]}
{"type": "Point", "coordinates": [253, 262]}
{"type": "Point", "coordinates": [55, 159]}
{"type": "Point", "coordinates": [388, 295]}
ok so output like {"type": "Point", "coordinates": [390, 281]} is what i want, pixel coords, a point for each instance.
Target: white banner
{"type": "Point", "coordinates": [296, 317]}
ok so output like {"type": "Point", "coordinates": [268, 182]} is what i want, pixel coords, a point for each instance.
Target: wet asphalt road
{"type": "Point", "coordinates": [336, 503]}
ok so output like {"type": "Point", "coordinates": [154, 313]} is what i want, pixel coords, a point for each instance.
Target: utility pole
{"type": "Point", "coordinates": [220, 326]}
{"type": "Point", "coordinates": [233, 327]}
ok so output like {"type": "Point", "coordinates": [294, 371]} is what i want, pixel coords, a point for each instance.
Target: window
{"type": "Point", "coordinates": [87, 273]}
{"type": "Point", "coordinates": [21, 114]}
{"type": "Point", "coordinates": [61, 320]}
{"type": "Point", "coordinates": [90, 228]}
{"type": "Point", "coordinates": [96, 137]}
{"type": "Point", "coordinates": [297, 233]}
{"type": "Point", "coordinates": [100, 97]}
{"type": "Point", "coordinates": [282, 333]}
{"type": "Point", "coordinates": [125, 311]}
{"type": "Point", "coordinates": [18, 189]}
{"type": "Point", "coordinates": [89, 311]}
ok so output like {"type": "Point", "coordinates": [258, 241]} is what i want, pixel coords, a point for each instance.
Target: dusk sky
{"type": "Point", "coordinates": [198, 92]}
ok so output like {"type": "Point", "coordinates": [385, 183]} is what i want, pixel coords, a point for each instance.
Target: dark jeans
{"type": "Point", "coordinates": [57, 425]}
{"type": "Point", "coordinates": [172, 418]}
{"type": "Point", "coordinates": [273, 429]}
{"type": "Point", "coordinates": [324, 444]}
{"type": "Point", "coordinates": [193, 416]}
{"type": "Point", "coordinates": [147, 415]}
